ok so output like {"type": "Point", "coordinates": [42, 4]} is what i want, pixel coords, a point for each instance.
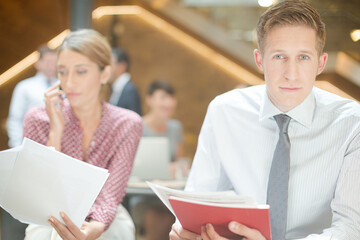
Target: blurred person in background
{"type": "Point", "coordinates": [160, 99]}
{"type": "Point", "coordinates": [30, 93]}
{"type": "Point", "coordinates": [124, 92]}
{"type": "Point", "coordinates": [91, 130]}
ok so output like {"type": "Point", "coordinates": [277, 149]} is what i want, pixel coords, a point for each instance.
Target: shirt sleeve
{"type": "Point", "coordinates": [346, 202]}
{"type": "Point", "coordinates": [36, 125]}
{"type": "Point", "coordinates": [126, 140]}
{"type": "Point", "coordinates": [18, 108]}
{"type": "Point", "coordinates": [207, 173]}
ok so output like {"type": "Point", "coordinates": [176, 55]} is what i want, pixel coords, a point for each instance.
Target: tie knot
{"type": "Point", "coordinates": [282, 121]}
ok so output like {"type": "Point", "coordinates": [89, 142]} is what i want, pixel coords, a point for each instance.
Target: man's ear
{"type": "Point", "coordinates": [106, 74]}
{"type": "Point", "coordinates": [258, 59]}
{"type": "Point", "coordinates": [322, 62]}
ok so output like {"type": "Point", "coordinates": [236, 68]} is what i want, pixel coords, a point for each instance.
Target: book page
{"type": "Point", "coordinates": [227, 197]}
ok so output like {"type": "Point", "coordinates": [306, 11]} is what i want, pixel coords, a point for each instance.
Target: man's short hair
{"type": "Point", "coordinates": [121, 56]}
{"type": "Point", "coordinates": [43, 49]}
{"type": "Point", "coordinates": [291, 13]}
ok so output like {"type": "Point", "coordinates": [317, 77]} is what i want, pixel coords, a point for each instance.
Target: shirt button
{"type": "Point", "coordinates": [92, 143]}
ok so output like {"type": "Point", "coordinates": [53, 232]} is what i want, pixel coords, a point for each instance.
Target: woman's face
{"type": "Point", "coordinates": [80, 78]}
{"type": "Point", "coordinates": [162, 103]}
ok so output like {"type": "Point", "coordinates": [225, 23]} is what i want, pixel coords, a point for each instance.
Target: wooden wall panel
{"type": "Point", "coordinates": [24, 26]}
{"type": "Point", "coordinates": [156, 55]}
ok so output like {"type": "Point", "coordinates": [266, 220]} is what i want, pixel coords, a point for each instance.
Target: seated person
{"type": "Point", "coordinates": [161, 101]}
{"type": "Point", "coordinates": [91, 130]}
{"type": "Point", "coordinates": [286, 143]}
{"type": "Point", "coordinates": [149, 211]}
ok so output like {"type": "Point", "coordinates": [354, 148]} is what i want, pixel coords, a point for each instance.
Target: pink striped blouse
{"type": "Point", "coordinates": [113, 147]}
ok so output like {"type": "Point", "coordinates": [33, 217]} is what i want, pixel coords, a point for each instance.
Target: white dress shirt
{"type": "Point", "coordinates": [118, 87]}
{"type": "Point", "coordinates": [27, 94]}
{"type": "Point", "coordinates": [236, 147]}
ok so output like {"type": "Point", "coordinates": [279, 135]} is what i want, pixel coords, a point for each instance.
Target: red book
{"type": "Point", "coordinates": [194, 214]}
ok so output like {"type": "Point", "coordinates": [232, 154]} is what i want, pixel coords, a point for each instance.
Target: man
{"type": "Point", "coordinates": [286, 143]}
{"type": "Point", "coordinates": [124, 93]}
{"type": "Point", "coordinates": [30, 93]}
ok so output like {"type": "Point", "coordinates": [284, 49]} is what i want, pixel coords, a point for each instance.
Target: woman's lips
{"type": "Point", "coordinates": [71, 94]}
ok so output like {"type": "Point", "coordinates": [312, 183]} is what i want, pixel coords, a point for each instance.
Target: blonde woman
{"type": "Point", "coordinates": [89, 129]}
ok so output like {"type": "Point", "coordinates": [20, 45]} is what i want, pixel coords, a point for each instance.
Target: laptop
{"type": "Point", "coordinates": [152, 159]}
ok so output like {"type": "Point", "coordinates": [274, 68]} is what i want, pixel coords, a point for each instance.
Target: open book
{"type": "Point", "coordinates": [195, 209]}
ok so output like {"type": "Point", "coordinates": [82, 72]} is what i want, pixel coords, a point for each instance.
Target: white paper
{"type": "Point", "coordinates": [227, 197]}
{"type": "Point", "coordinates": [39, 182]}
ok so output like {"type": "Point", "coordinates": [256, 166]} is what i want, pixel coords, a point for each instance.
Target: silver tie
{"type": "Point", "coordinates": [277, 192]}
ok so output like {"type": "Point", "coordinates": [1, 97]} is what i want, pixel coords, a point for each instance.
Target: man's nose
{"type": "Point", "coordinates": [291, 70]}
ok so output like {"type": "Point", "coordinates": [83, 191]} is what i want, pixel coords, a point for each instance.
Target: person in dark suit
{"type": "Point", "coordinates": [124, 92]}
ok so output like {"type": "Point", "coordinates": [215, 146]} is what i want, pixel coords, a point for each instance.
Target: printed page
{"type": "Point", "coordinates": [44, 182]}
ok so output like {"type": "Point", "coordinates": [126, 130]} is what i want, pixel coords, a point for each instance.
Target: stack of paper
{"type": "Point", "coordinates": [37, 182]}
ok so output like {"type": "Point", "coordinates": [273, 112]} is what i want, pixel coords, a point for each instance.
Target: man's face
{"type": "Point", "coordinates": [47, 64]}
{"type": "Point", "coordinates": [290, 63]}
{"type": "Point", "coordinates": [118, 69]}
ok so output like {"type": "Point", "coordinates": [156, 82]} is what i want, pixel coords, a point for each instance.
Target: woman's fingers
{"type": "Point", "coordinates": [71, 226]}
{"type": "Point", "coordinates": [61, 229]}
{"type": "Point", "coordinates": [53, 87]}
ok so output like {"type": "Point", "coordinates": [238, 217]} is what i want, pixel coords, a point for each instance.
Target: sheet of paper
{"type": "Point", "coordinates": [7, 161]}
{"type": "Point", "coordinates": [44, 182]}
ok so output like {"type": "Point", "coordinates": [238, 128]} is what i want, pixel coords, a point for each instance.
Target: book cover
{"type": "Point", "coordinates": [194, 214]}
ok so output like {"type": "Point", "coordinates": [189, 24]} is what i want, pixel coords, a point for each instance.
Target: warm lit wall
{"type": "Point", "coordinates": [156, 55]}
{"type": "Point", "coordinates": [24, 26]}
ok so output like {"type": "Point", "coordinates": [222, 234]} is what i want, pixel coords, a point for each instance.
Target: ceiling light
{"type": "Point", "coordinates": [355, 35]}
{"type": "Point", "coordinates": [266, 3]}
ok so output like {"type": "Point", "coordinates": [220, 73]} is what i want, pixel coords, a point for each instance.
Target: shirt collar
{"type": "Point", "coordinates": [42, 77]}
{"type": "Point", "coordinates": [121, 81]}
{"type": "Point", "coordinates": [303, 113]}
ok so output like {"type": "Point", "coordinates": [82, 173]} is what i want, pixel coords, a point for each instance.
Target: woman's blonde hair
{"type": "Point", "coordinates": [89, 43]}
{"type": "Point", "coordinates": [291, 13]}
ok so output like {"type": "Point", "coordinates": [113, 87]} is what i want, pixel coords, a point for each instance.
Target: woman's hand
{"type": "Point", "coordinates": [54, 103]}
{"type": "Point", "coordinates": [208, 232]}
{"type": "Point", "coordinates": [88, 231]}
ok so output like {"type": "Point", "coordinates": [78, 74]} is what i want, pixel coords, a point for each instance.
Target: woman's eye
{"type": "Point", "coordinates": [278, 57]}
{"type": "Point", "coordinates": [81, 72]}
{"type": "Point", "coordinates": [61, 72]}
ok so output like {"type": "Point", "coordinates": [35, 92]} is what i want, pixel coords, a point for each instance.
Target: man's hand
{"type": "Point", "coordinates": [208, 232]}
{"type": "Point", "coordinates": [69, 231]}
{"type": "Point", "coordinates": [178, 233]}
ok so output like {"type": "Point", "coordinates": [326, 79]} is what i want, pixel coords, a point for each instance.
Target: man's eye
{"type": "Point", "coordinates": [303, 57]}
{"type": "Point", "coordinates": [278, 57]}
